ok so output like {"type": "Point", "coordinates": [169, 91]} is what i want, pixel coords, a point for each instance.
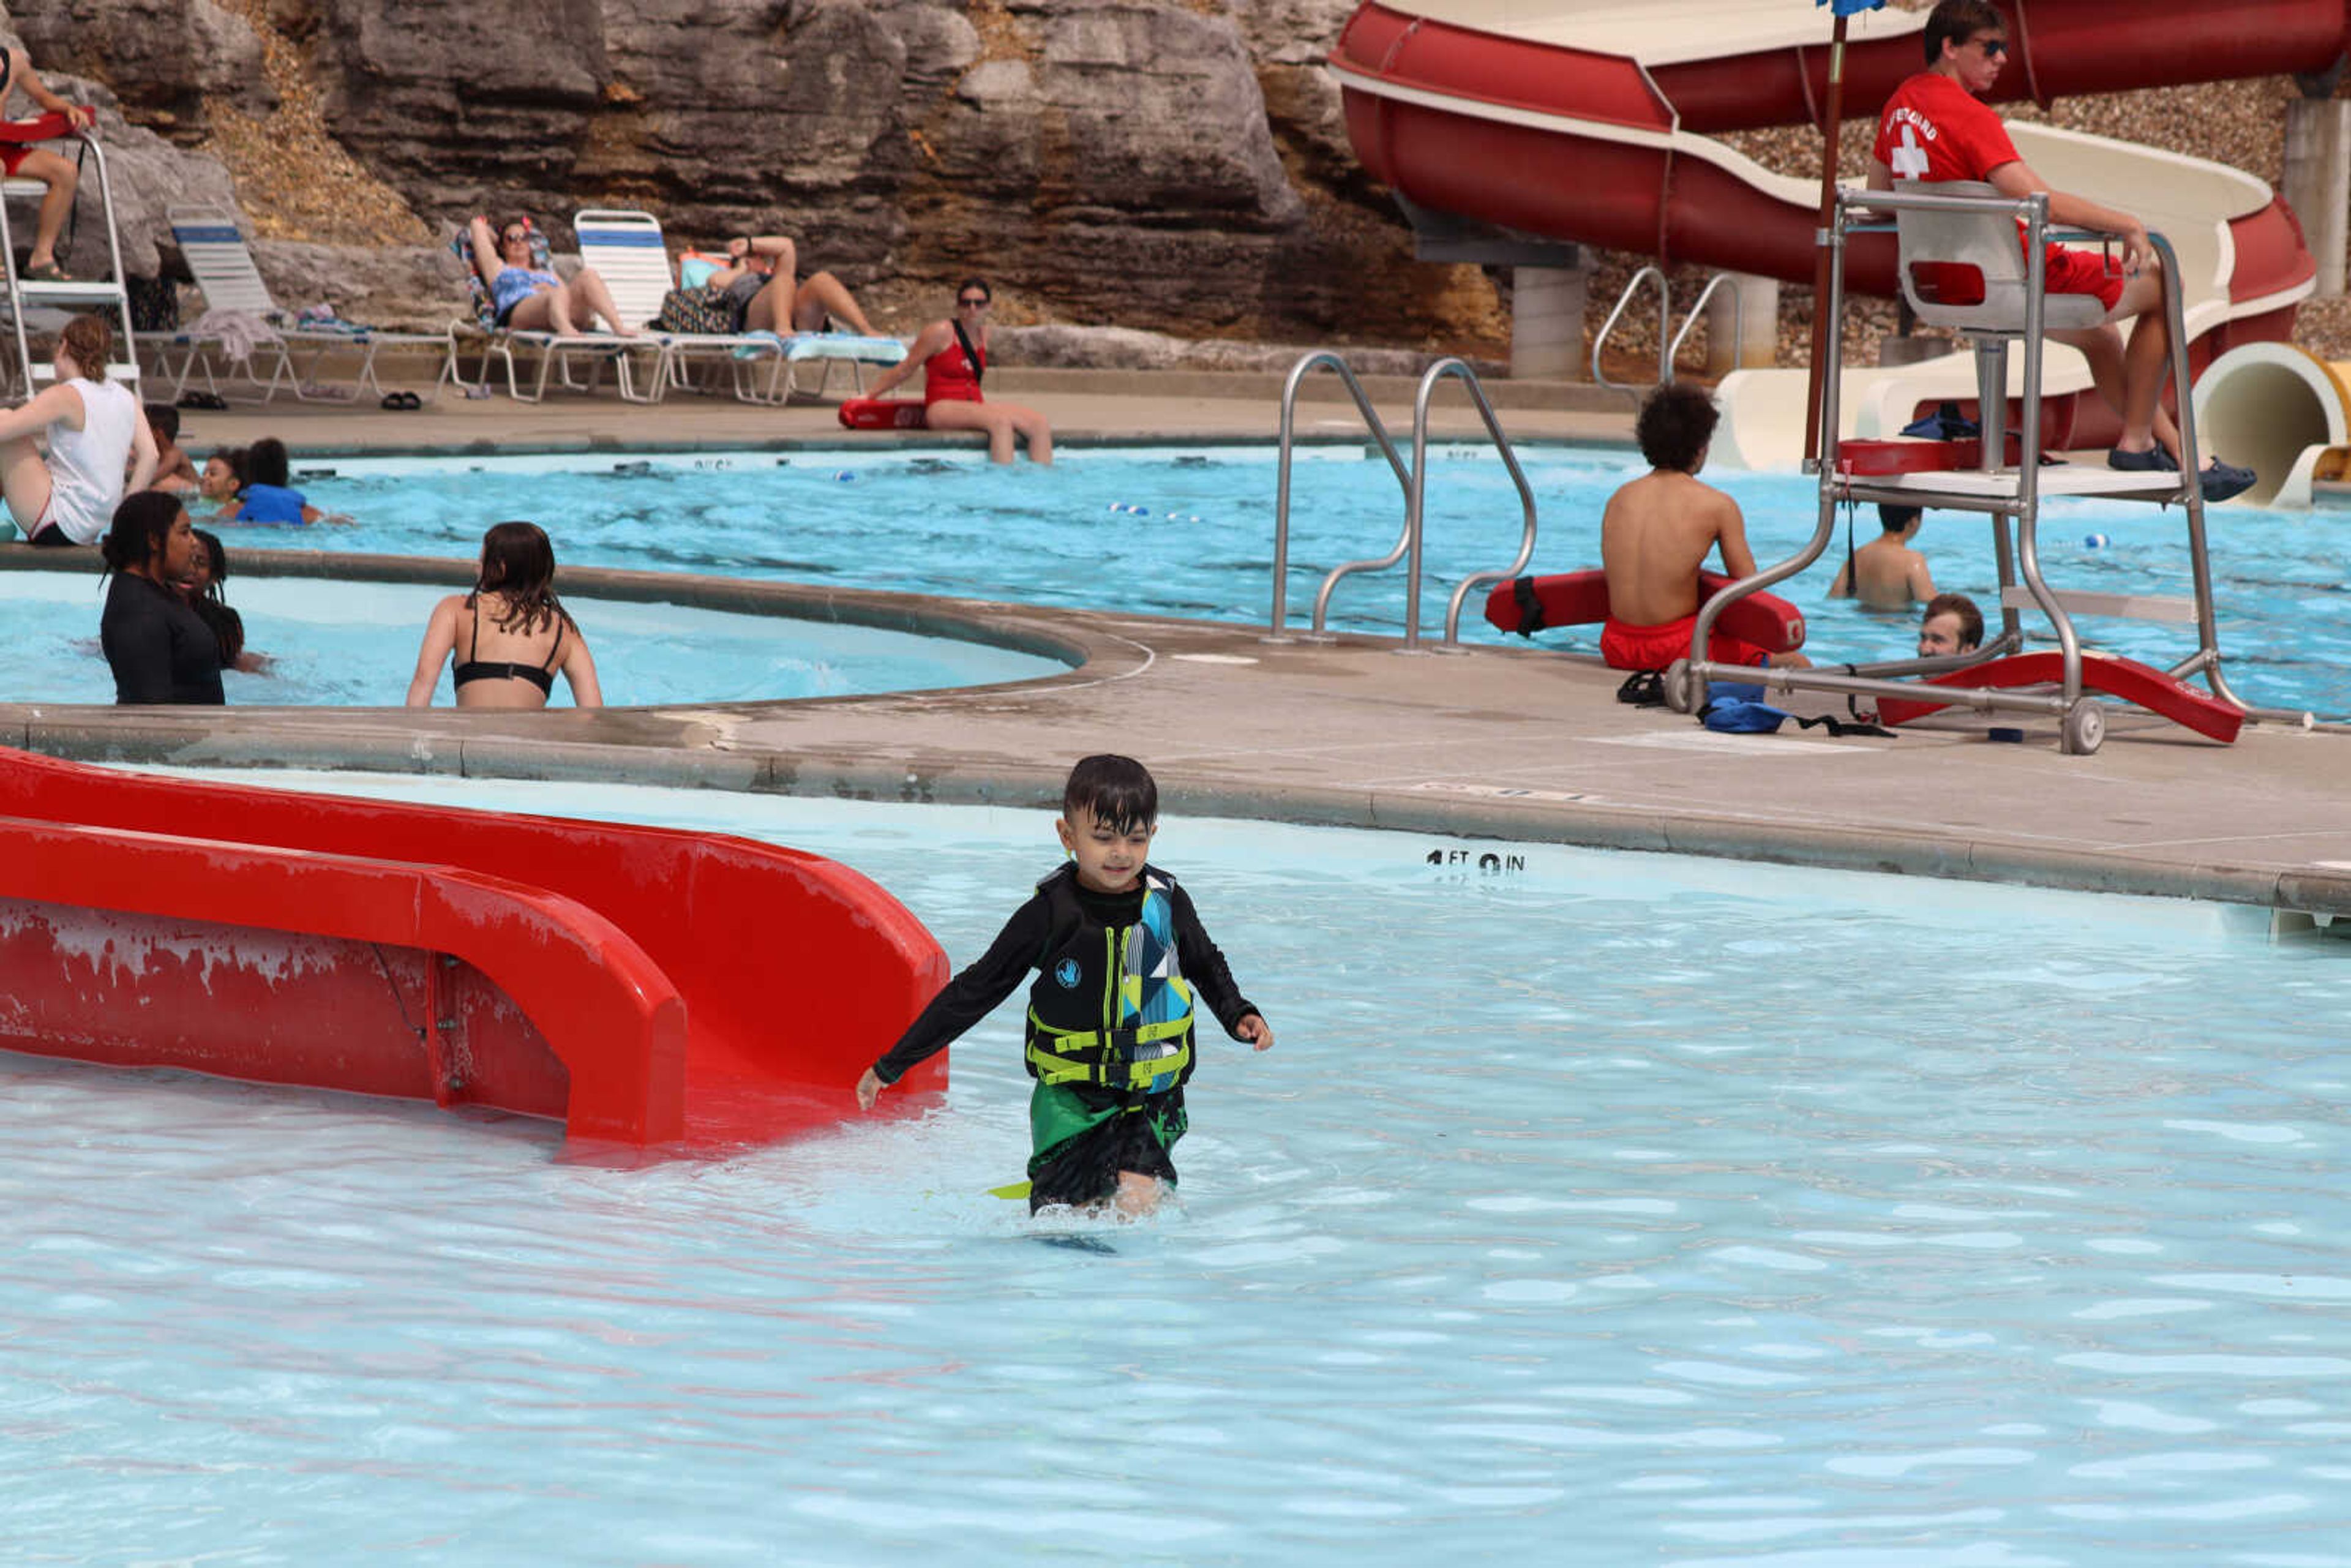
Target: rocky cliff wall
{"type": "Point", "coordinates": [1176, 166]}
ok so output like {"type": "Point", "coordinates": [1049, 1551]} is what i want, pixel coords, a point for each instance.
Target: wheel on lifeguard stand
{"type": "Point", "coordinates": [2085, 727]}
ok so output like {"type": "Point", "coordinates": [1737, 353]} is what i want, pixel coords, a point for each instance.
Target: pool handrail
{"type": "Point", "coordinates": [1458, 369]}
{"type": "Point", "coordinates": [1276, 630]}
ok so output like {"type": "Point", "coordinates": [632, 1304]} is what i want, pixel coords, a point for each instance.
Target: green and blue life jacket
{"type": "Point", "coordinates": [1111, 1008]}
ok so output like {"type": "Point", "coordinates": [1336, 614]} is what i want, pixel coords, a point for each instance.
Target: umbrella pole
{"type": "Point", "coordinates": [1827, 345]}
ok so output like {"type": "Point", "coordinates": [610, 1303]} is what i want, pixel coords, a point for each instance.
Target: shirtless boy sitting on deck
{"type": "Point", "coordinates": [1656, 536]}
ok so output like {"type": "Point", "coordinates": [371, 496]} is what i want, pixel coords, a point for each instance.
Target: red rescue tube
{"type": "Point", "coordinates": [882, 412]}
{"type": "Point", "coordinates": [1580, 598]}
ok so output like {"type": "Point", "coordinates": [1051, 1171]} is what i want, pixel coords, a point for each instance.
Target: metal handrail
{"type": "Point", "coordinates": [1665, 314]}
{"type": "Point", "coordinates": [1415, 516]}
{"type": "Point", "coordinates": [1276, 632]}
{"type": "Point", "coordinates": [1697, 312]}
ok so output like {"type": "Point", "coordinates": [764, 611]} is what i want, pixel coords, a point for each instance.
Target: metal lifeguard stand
{"type": "Point", "coordinates": [1965, 224]}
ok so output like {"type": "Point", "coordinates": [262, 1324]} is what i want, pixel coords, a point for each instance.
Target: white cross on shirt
{"type": "Point", "coordinates": [1909, 159]}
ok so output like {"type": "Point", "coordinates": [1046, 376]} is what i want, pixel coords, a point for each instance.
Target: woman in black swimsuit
{"type": "Point", "coordinates": [510, 636]}
{"type": "Point", "coordinates": [158, 648]}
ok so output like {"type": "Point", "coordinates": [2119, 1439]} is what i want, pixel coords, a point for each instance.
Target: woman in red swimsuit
{"type": "Point", "coordinates": [953, 355]}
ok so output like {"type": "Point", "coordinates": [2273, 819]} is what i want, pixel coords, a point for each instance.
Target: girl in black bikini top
{"type": "Point", "coordinates": [471, 669]}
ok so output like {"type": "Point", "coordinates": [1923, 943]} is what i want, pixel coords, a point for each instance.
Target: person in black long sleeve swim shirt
{"type": "Point", "coordinates": [1119, 955]}
{"type": "Point", "coordinates": [160, 650]}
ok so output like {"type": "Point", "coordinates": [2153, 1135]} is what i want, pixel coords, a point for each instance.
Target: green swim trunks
{"type": "Point", "coordinates": [1084, 1136]}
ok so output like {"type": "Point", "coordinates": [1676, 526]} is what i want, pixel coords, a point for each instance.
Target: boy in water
{"type": "Point", "coordinates": [1119, 953]}
{"type": "Point", "coordinates": [1887, 573]}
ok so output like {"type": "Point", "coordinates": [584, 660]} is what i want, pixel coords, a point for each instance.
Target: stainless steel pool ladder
{"type": "Point", "coordinates": [1415, 483]}
{"type": "Point", "coordinates": [1668, 347]}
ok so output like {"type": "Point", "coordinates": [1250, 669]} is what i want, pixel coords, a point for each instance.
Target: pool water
{"type": "Point", "coordinates": [1605, 1208]}
{"type": "Point", "coordinates": [355, 643]}
{"type": "Point", "coordinates": [1191, 534]}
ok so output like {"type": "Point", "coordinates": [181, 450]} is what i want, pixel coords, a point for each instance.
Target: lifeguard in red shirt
{"type": "Point", "coordinates": [1935, 128]}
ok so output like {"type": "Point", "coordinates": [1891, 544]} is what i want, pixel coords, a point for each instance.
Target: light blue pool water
{"type": "Point", "coordinates": [1201, 544]}
{"type": "Point", "coordinates": [1593, 1208]}
{"type": "Point", "coordinates": [356, 643]}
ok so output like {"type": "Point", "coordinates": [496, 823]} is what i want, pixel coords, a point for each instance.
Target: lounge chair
{"type": "Point", "coordinates": [627, 249]}
{"type": "Point", "coordinates": [557, 353]}
{"type": "Point", "coordinates": [290, 350]}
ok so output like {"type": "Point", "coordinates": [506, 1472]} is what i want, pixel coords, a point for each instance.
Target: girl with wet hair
{"type": "Point", "coordinates": [530, 636]}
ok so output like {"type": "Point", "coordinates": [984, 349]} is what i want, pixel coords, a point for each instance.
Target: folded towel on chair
{"type": "Point", "coordinates": [240, 332]}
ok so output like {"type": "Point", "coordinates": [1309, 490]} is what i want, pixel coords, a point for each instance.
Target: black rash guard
{"type": "Point", "coordinates": [160, 650]}
{"type": "Point", "coordinates": [975, 993]}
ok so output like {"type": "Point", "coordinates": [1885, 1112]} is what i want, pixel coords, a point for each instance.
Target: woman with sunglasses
{"type": "Point", "coordinates": [532, 299]}
{"type": "Point", "coordinates": [952, 357]}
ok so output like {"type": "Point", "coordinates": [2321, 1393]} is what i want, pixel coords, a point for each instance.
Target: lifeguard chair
{"type": "Point", "coordinates": [1961, 267]}
{"type": "Point", "coordinates": [35, 305]}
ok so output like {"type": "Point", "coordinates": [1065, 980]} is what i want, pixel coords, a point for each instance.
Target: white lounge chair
{"type": "Point", "coordinates": [214, 244]}
{"type": "Point", "coordinates": [627, 249]}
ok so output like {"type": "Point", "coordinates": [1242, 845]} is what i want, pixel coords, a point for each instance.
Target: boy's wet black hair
{"type": "Point", "coordinates": [1893, 519]}
{"type": "Point", "coordinates": [267, 462]}
{"type": "Point", "coordinates": [1675, 426]}
{"type": "Point", "coordinates": [164, 421]}
{"type": "Point", "coordinates": [1959, 20]}
{"type": "Point", "coordinates": [1117, 791]}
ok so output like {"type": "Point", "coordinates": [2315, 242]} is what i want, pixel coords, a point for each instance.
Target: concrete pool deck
{"type": "Point", "coordinates": [1504, 743]}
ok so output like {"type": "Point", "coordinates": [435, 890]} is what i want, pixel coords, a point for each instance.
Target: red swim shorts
{"type": "Point", "coordinates": [2069, 271]}
{"type": "Point", "coordinates": [12, 156]}
{"type": "Point", "coordinates": [1625, 646]}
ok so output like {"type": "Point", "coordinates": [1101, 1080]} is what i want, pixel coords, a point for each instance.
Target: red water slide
{"type": "Point", "coordinates": [1580, 144]}
{"type": "Point", "coordinates": [643, 985]}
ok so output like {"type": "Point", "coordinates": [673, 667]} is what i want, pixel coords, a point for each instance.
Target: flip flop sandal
{"type": "Point", "coordinates": [402, 400]}
{"type": "Point", "coordinates": [47, 272]}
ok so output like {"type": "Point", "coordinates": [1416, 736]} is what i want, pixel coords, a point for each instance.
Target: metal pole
{"type": "Point", "coordinates": [1828, 351]}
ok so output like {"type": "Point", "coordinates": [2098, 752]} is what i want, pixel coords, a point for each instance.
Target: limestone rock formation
{"type": "Point", "coordinates": [1171, 165]}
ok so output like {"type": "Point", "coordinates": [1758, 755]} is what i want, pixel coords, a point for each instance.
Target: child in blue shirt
{"type": "Point", "coordinates": [268, 495]}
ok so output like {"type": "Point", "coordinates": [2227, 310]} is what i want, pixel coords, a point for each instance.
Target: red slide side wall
{"type": "Point", "coordinates": [767, 978]}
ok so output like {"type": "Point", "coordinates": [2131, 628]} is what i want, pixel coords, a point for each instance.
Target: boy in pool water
{"type": "Point", "coordinates": [1111, 938]}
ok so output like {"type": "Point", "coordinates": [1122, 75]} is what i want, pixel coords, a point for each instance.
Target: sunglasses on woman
{"type": "Point", "coordinates": [970, 304]}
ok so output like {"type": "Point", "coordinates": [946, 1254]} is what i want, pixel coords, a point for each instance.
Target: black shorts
{"type": "Point", "coordinates": [1086, 1169]}
{"type": "Point", "coordinates": [49, 537]}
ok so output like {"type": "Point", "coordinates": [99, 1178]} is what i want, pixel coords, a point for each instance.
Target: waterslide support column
{"type": "Point", "coordinates": [1547, 309]}
{"type": "Point", "coordinates": [2318, 178]}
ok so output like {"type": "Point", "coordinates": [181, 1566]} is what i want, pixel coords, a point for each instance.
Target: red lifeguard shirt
{"type": "Point", "coordinates": [1935, 129]}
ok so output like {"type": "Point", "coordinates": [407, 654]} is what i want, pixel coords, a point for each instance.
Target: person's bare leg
{"type": "Point", "coordinates": [543, 312]}
{"type": "Point", "coordinates": [824, 294]}
{"type": "Point", "coordinates": [24, 483]}
{"type": "Point", "coordinates": [958, 415]}
{"type": "Point", "coordinates": [587, 288]}
{"type": "Point", "coordinates": [1036, 429]}
{"type": "Point", "coordinates": [62, 178]}
{"type": "Point", "coordinates": [1137, 1196]}
{"type": "Point", "coordinates": [2103, 347]}
{"type": "Point", "coordinates": [771, 308]}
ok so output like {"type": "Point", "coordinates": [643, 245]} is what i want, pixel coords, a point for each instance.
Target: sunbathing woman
{"type": "Point", "coordinates": [953, 357]}
{"type": "Point", "coordinates": [531, 634]}
{"type": "Point", "coordinates": [760, 282]}
{"type": "Point", "coordinates": [532, 301]}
